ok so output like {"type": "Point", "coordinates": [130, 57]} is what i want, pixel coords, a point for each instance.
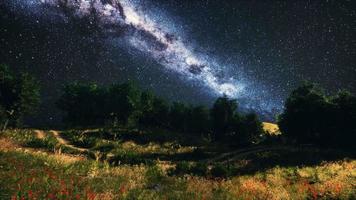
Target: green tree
{"type": "Point", "coordinates": [83, 104]}
{"type": "Point", "coordinates": [124, 100]}
{"type": "Point", "coordinates": [19, 96]}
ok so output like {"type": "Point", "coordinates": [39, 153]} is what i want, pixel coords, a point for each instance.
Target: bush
{"type": "Point", "coordinates": [42, 143]}
{"type": "Point", "coordinates": [128, 157]}
{"type": "Point", "coordinates": [199, 169]}
{"type": "Point", "coordinates": [220, 171]}
{"type": "Point", "coordinates": [80, 140]}
{"type": "Point", "coordinates": [182, 168]}
{"type": "Point", "coordinates": [154, 175]}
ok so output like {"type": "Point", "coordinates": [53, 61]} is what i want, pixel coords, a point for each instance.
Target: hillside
{"type": "Point", "coordinates": [271, 128]}
{"type": "Point", "coordinates": [132, 164]}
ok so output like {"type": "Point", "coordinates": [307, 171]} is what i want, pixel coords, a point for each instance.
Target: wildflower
{"type": "Point", "coordinates": [30, 194]}
{"type": "Point", "coordinates": [51, 196]}
{"type": "Point", "coordinates": [122, 189]}
{"type": "Point", "coordinates": [91, 195]}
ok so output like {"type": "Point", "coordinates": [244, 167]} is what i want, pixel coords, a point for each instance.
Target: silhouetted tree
{"type": "Point", "coordinates": [198, 120]}
{"type": "Point", "coordinates": [251, 129]}
{"type": "Point", "coordinates": [83, 104]}
{"type": "Point", "coordinates": [124, 100]}
{"type": "Point", "coordinates": [19, 95]}
{"type": "Point", "coordinates": [146, 108]}
{"type": "Point", "coordinates": [343, 127]}
{"type": "Point", "coordinates": [178, 116]}
{"type": "Point", "coordinates": [222, 116]}
{"type": "Point", "coordinates": [302, 119]}
{"type": "Point", "coordinates": [312, 117]}
{"type": "Point", "coordinates": [160, 113]}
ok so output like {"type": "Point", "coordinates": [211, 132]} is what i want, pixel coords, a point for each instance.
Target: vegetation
{"type": "Point", "coordinates": [124, 143]}
{"type": "Point", "coordinates": [311, 117]}
{"type": "Point", "coordinates": [19, 95]}
{"type": "Point", "coordinates": [125, 105]}
{"type": "Point", "coordinates": [27, 175]}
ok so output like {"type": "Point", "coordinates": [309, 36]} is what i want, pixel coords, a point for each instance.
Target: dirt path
{"type": "Point", "coordinates": [238, 154]}
{"type": "Point", "coordinates": [7, 145]}
{"type": "Point", "coordinates": [65, 142]}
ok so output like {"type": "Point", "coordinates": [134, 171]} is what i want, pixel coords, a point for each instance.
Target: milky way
{"type": "Point", "coordinates": [128, 21]}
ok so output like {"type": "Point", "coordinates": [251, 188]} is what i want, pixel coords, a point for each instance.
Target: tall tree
{"type": "Point", "coordinates": [199, 121]}
{"type": "Point", "coordinates": [304, 114]}
{"type": "Point", "coordinates": [178, 116]}
{"type": "Point", "coordinates": [249, 129]}
{"type": "Point", "coordinates": [124, 100]}
{"type": "Point", "coordinates": [83, 104]}
{"type": "Point", "coordinates": [222, 115]}
{"type": "Point", "coordinates": [19, 95]}
{"type": "Point", "coordinates": [344, 118]}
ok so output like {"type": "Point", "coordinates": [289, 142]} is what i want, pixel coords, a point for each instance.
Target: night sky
{"type": "Point", "coordinates": [183, 50]}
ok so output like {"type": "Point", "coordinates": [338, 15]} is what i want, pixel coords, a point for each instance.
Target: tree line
{"type": "Point", "coordinates": [86, 104]}
{"type": "Point", "coordinates": [19, 95]}
{"type": "Point", "coordinates": [310, 116]}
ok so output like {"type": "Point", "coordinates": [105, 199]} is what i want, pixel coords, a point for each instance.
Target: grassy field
{"type": "Point", "coordinates": [131, 164]}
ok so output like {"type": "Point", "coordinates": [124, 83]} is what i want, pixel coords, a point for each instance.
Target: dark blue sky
{"type": "Point", "coordinates": [272, 45]}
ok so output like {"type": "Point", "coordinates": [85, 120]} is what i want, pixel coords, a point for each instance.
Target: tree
{"type": "Point", "coordinates": [251, 129]}
{"type": "Point", "coordinates": [146, 108]}
{"type": "Point", "coordinates": [199, 120]}
{"type": "Point", "coordinates": [160, 113]}
{"type": "Point", "coordinates": [83, 104]}
{"type": "Point", "coordinates": [124, 100]}
{"type": "Point", "coordinates": [222, 116]}
{"type": "Point", "coordinates": [19, 95]}
{"type": "Point", "coordinates": [178, 116]}
{"type": "Point", "coordinates": [344, 112]}
{"type": "Point", "coordinates": [304, 114]}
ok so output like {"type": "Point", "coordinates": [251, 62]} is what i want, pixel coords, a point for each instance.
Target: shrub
{"type": "Point", "coordinates": [181, 168]}
{"type": "Point", "coordinates": [199, 169]}
{"type": "Point", "coordinates": [128, 157]}
{"type": "Point", "coordinates": [220, 171]}
{"type": "Point", "coordinates": [154, 175]}
{"type": "Point", "coordinates": [80, 140]}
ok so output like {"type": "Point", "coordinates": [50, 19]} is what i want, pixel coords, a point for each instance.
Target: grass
{"type": "Point", "coordinates": [131, 170]}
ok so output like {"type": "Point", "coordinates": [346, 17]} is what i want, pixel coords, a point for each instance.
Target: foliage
{"type": "Point", "coordinates": [222, 115]}
{"type": "Point", "coordinates": [300, 174]}
{"type": "Point", "coordinates": [19, 96]}
{"type": "Point", "coordinates": [83, 103]}
{"type": "Point", "coordinates": [93, 105]}
{"type": "Point", "coordinates": [310, 116]}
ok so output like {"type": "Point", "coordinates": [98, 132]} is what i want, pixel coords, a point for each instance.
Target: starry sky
{"type": "Point", "coordinates": [183, 50]}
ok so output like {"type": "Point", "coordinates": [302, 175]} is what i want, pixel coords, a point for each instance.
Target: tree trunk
{"type": "Point", "coordinates": [5, 125]}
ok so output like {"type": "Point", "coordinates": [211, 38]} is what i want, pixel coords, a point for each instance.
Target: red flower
{"type": "Point", "coordinates": [30, 194]}
{"type": "Point", "coordinates": [122, 189]}
{"type": "Point", "coordinates": [51, 196]}
{"type": "Point", "coordinates": [91, 195]}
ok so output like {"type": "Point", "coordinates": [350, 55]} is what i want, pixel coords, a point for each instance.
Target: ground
{"type": "Point", "coordinates": [131, 164]}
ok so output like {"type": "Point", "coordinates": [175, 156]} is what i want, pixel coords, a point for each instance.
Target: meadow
{"type": "Point", "coordinates": [131, 164]}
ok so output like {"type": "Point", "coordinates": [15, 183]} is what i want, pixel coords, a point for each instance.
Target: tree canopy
{"type": "Point", "coordinates": [19, 95]}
